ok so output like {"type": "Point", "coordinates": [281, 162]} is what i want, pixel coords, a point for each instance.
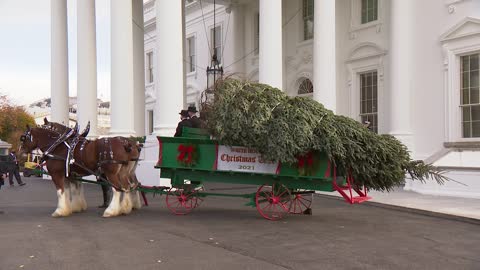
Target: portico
{"type": "Point", "coordinates": [359, 58]}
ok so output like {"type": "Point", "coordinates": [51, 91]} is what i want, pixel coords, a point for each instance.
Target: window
{"type": "Point", "coordinates": [305, 87]}
{"type": "Point", "coordinates": [368, 99]}
{"type": "Point", "coordinates": [256, 38]}
{"type": "Point", "coordinates": [150, 121]}
{"type": "Point", "coordinates": [469, 96]}
{"type": "Point", "coordinates": [369, 11]}
{"type": "Point", "coordinates": [216, 41]}
{"type": "Point", "coordinates": [149, 67]}
{"type": "Point", "coordinates": [191, 53]}
{"type": "Point", "coordinates": [307, 19]}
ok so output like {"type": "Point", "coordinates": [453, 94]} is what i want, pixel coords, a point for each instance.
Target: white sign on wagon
{"type": "Point", "coordinates": [242, 159]}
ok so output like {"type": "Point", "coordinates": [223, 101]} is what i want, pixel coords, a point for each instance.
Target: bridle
{"type": "Point", "coordinates": [29, 137]}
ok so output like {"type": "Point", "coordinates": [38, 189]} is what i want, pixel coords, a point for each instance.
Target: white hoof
{"type": "Point", "coordinates": [110, 213]}
{"type": "Point", "coordinates": [60, 213]}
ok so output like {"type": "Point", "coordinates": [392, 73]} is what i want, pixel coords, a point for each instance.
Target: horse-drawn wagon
{"type": "Point", "coordinates": [194, 159]}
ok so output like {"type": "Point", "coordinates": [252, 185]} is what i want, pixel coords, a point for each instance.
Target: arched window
{"type": "Point", "coordinates": [305, 86]}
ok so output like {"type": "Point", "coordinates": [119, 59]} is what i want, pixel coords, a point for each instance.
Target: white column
{"type": "Point", "coordinates": [138, 69]}
{"type": "Point", "coordinates": [401, 71]}
{"type": "Point", "coordinates": [237, 38]}
{"type": "Point", "coordinates": [169, 81]}
{"type": "Point", "coordinates": [59, 61]}
{"type": "Point", "coordinates": [270, 51]}
{"type": "Point", "coordinates": [86, 66]}
{"type": "Point", "coordinates": [122, 98]}
{"type": "Point", "coordinates": [324, 60]}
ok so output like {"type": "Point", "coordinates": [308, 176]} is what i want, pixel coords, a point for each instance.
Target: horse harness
{"type": "Point", "coordinates": [70, 138]}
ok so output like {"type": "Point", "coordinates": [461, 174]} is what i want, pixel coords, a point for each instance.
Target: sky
{"type": "Point", "coordinates": [25, 49]}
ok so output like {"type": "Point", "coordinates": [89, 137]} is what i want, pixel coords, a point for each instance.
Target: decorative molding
{"type": "Point", "coordinates": [462, 145]}
{"type": "Point", "coordinates": [303, 56]}
{"type": "Point", "coordinates": [150, 93]}
{"type": "Point", "coordinates": [307, 57]}
{"type": "Point", "coordinates": [366, 57]}
{"type": "Point", "coordinates": [365, 50]}
{"type": "Point", "coordinates": [290, 61]}
{"type": "Point", "coordinates": [449, 2]}
{"type": "Point", "coordinates": [451, 9]}
{"type": "Point", "coordinates": [467, 27]}
{"type": "Point", "coordinates": [462, 38]}
{"type": "Point", "coordinates": [452, 5]}
{"type": "Point", "coordinates": [445, 57]}
{"type": "Point", "coordinates": [148, 6]}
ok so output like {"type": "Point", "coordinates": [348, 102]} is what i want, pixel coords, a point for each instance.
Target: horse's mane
{"type": "Point", "coordinates": [51, 129]}
{"type": "Point", "coordinates": [60, 128]}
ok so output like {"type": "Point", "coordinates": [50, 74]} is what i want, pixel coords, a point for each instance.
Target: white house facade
{"type": "Point", "coordinates": [411, 68]}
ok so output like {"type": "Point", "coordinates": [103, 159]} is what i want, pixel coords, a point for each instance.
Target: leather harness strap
{"type": "Point", "coordinates": [69, 160]}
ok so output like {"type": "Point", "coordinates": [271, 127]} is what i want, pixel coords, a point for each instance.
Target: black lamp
{"type": "Point", "coordinates": [215, 70]}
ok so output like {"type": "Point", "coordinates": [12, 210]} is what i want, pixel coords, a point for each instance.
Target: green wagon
{"type": "Point", "coordinates": [283, 188]}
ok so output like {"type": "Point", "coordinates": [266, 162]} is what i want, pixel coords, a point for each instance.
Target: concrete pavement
{"type": "Point", "coordinates": [224, 234]}
{"type": "Point", "coordinates": [428, 204]}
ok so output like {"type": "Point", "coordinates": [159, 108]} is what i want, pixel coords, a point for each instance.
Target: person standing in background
{"type": "Point", "coordinates": [14, 169]}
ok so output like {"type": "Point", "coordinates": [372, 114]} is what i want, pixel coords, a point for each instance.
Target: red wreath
{"type": "Point", "coordinates": [187, 155]}
{"type": "Point", "coordinates": [306, 164]}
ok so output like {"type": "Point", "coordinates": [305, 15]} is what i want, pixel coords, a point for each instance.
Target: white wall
{"type": "Point", "coordinates": [359, 48]}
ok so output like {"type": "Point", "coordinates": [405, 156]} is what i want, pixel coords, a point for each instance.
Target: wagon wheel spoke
{"type": "Point", "coordinates": [177, 201]}
{"type": "Point", "coordinates": [306, 206]}
{"type": "Point", "coordinates": [301, 202]}
{"type": "Point", "coordinates": [285, 208]}
{"type": "Point", "coordinates": [294, 206]}
{"type": "Point", "coordinates": [267, 195]}
{"type": "Point", "coordinates": [198, 202]}
{"type": "Point", "coordinates": [267, 205]}
{"type": "Point", "coordinates": [283, 193]}
{"type": "Point", "coordinates": [273, 202]}
{"type": "Point", "coordinates": [302, 198]}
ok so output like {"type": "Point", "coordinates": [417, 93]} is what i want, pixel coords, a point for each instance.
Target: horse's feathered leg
{"type": "Point", "coordinates": [81, 195]}
{"type": "Point", "coordinates": [126, 204]}
{"type": "Point", "coordinates": [74, 195]}
{"type": "Point", "coordinates": [114, 207]}
{"type": "Point", "coordinates": [63, 194]}
{"type": "Point", "coordinates": [136, 202]}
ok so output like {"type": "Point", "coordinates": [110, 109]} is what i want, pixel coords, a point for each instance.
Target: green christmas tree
{"type": "Point", "coordinates": [282, 128]}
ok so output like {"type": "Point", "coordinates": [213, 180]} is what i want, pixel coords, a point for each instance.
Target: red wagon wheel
{"type": "Point", "coordinates": [181, 201]}
{"type": "Point", "coordinates": [301, 202]}
{"type": "Point", "coordinates": [273, 202]}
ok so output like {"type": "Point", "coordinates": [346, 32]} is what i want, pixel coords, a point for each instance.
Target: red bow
{"type": "Point", "coordinates": [185, 151]}
{"type": "Point", "coordinates": [308, 159]}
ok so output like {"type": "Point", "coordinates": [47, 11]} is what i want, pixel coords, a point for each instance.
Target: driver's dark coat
{"type": "Point", "coordinates": [181, 124]}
